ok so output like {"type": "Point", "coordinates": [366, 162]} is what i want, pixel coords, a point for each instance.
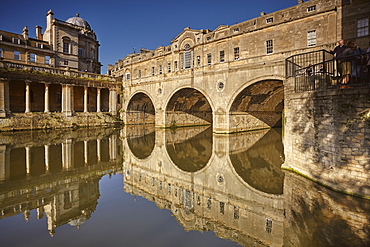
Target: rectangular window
{"type": "Point", "coordinates": [187, 59]}
{"type": "Point", "coordinates": [209, 59]}
{"type": "Point", "coordinates": [270, 20]}
{"type": "Point", "coordinates": [236, 53]}
{"type": "Point", "coordinates": [236, 30]}
{"type": "Point", "coordinates": [47, 60]}
{"type": "Point", "coordinates": [222, 56]}
{"type": "Point", "coordinates": [128, 76]}
{"type": "Point", "coordinates": [39, 45]}
{"type": "Point", "coordinates": [1, 52]}
{"type": "Point", "coordinates": [17, 55]}
{"type": "Point", "coordinates": [139, 74]}
{"type": "Point", "coordinates": [80, 52]}
{"type": "Point", "coordinates": [311, 8]}
{"type": "Point", "coordinates": [160, 69]}
{"type": "Point", "coordinates": [66, 47]}
{"type": "Point", "coordinates": [152, 70]}
{"type": "Point", "coordinates": [198, 61]}
{"type": "Point", "coordinates": [269, 47]}
{"type": "Point", "coordinates": [33, 57]}
{"type": "Point", "coordinates": [168, 67]}
{"type": "Point", "coordinates": [311, 38]}
{"type": "Point", "coordinates": [362, 27]}
{"type": "Point", "coordinates": [16, 41]}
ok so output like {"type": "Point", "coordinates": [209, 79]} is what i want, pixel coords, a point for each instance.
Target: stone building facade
{"type": "Point", "coordinates": [232, 77]}
{"type": "Point", "coordinates": [56, 72]}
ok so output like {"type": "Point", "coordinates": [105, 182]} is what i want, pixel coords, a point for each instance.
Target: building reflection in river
{"type": "Point", "coordinates": [233, 185]}
{"type": "Point", "coordinates": [57, 173]}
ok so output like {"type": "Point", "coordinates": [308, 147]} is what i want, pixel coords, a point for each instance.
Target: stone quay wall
{"type": "Point", "coordinates": [39, 120]}
{"type": "Point", "coordinates": [327, 137]}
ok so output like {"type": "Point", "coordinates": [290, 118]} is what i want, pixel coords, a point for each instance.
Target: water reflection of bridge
{"type": "Point", "coordinates": [55, 173]}
{"type": "Point", "coordinates": [233, 185]}
{"type": "Point", "coordinates": [230, 184]}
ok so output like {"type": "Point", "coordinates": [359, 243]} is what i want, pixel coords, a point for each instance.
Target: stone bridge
{"type": "Point", "coordinates": [232, 98]}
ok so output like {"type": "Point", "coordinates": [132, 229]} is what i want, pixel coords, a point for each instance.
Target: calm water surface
{"type": "Point", "coordinates": [140, 187]}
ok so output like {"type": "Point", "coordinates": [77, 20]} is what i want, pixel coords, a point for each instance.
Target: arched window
{"type": "Point", "coordinates": [186, 57]}
{"type": "Point", "coordinates": [66, 45]}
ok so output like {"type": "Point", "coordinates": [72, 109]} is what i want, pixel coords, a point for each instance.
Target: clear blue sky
{"type": "Point", "coordinates": [122, 25]}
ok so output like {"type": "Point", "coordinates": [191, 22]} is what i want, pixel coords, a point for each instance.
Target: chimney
{"type": "Point", "coordinates": [49, 19]}
{"type": "Point", "coordinates": [25, 33]}
{"type": "Point", "coordinates": [262, 13]}
{"type": "Point", "coordinates": [39, 33]}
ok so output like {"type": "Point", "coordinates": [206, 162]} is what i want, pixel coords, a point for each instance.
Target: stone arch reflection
{"type": "Point", "coordinates": [141, 140]}
{"type": "Point", "coordinates": [259, 164]}
{"type": "Point", "coordinates": [190, 150]}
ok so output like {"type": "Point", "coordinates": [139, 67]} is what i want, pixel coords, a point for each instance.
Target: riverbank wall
{"type": "Point", "coordinates": [327, 137]}
{"type": "Point", "coordinates": [38, 120]}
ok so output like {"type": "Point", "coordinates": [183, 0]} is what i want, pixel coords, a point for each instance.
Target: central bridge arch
{"type": "Point", "coordinates": [188, 107]}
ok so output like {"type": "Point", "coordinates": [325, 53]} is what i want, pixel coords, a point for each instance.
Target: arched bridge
{"type": "Point", "coordinates": [232, 97]}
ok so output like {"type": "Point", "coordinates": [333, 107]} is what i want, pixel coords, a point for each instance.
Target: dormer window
{"type": "Point", "coordinates": [311, 8]}
{"type": "Point", "coordinates": [270, 20]}
{"type": "Point", "coordinates": [16, 41]}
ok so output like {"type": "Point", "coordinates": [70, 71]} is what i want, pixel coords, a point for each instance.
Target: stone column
{"type": "Point", "coordinates": [4, 94]}
{"type": "Point", "coordinates": [47, 109]}
{"type": "Point", "coordinates": [98, 149]}
{"type": "Point", "coordinates": [28, 97]}
{"type": "Point", "coordinates": [28, 160]}
{"type": "Point", "coordinates": [3, 172]}
{"type": "Point", "coordinates": [86, 152]}
{"type": "Point", "coordinates": [113, 102]}
{"type": "Point", "coordinates": [98, 98]}
{"type": "Point", "coordinates": [113, 147]}
{"type": "Point", "coordinates": [86, 103]}
{"type": "Point", "coordinates": [67, 154]}
{"type": "Point", "coordinates": [47, 158]}
{"type": "Point", "coordinates": [67, 100]}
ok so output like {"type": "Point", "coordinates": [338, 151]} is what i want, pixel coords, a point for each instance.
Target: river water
{"type": "Point", "coordinates": [138, 186]}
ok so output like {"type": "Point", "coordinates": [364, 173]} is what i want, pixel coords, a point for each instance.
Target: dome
{"type": "Point", "coordinates": [78, 21]}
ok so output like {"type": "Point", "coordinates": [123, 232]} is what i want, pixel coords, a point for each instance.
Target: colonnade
{"type": "Point", "coordinates": [67, 98]}
{"type": "Point", "coordinates": [67, 157]}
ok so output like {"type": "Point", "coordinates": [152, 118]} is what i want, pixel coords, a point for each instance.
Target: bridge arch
{"type": "Point", "coordinates": [258, 104]}
{"type": "Point", "coordinates": [188, 106]}
{"type": "Point", "coordinates": [140, 109]}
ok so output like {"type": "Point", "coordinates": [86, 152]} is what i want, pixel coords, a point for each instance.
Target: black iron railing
{"type": "Point", "coordinates": [320, 70]}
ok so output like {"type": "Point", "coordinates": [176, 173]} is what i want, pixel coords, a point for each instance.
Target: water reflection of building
{"type": "Point", "coordinates": [237, 189]}
{"type": "Point", "coordinates": [55, 173]}
{"type": "Point", "coordinates": [193, 173]}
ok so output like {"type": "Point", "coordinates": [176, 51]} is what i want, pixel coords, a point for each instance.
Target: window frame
{"type": "Point", "coordinates": [311, 39]}
{"type": "Point", "coordinates": [47, 60]}
{"type": "Point", "coordinates": [17, 55]}
{"type": "Point", "coordinates": [362, 30]}
{"type": "Point", "coordinates": [269, 46]}
{"type": "Point", "coordinates": [209, 59]}
{"type": "Point", "coordinates": [222, 56]}
{"type": "Point", "coordinates": [236, 53]}
{"type": "Point", "coordinates": [311, 8]}
{"type": "Point", "coordinates": [33, 57]}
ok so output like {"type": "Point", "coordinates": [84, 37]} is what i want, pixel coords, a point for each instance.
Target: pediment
{"type": "Point", "coordinates": [186, 33]}
{"type": "Point", "coordinates": [221, 27]}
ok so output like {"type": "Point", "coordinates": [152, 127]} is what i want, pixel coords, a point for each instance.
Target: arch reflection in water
{"type": "Point", "coordinates": [242, 195]}
{"type": "Point", "coordinates": [195, 178]}
{"type": "Point", "coordinates": [57, 173]}
{"type": "Point", "coordinates": [259, 164]}
{"type": "Point", "coordinates": [140, 139]}
{"type": "Point", "coordinates": [190, 149]}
